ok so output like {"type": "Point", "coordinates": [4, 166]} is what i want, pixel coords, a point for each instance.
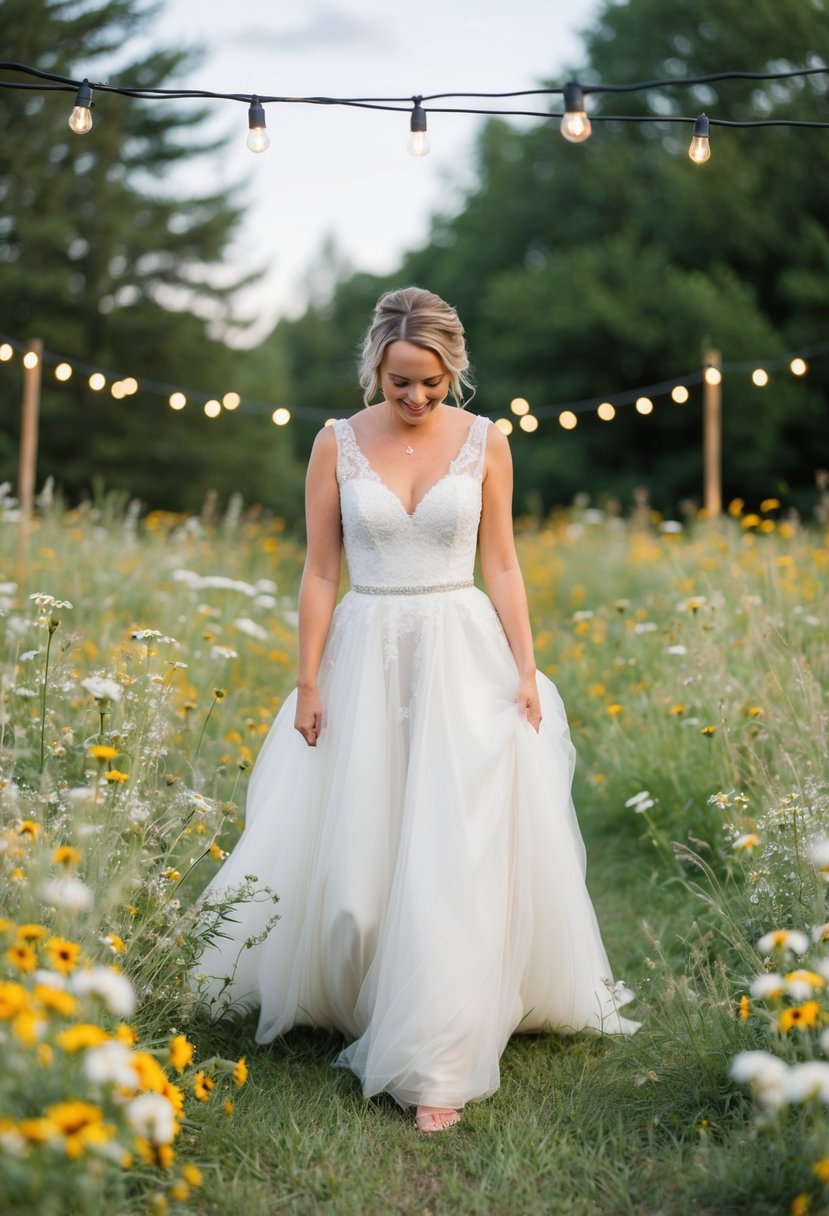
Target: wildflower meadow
{"type": "Point", "coordinates": [143, 658]}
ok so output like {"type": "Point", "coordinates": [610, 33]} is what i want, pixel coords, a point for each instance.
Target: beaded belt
{"type": "Point", "coordinates": [422, 590]}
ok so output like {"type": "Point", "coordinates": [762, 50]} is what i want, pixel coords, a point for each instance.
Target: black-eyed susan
{"type": "Point", "coordinates": [63, 954]}
{"type": "Point", "coordinates": [66, 855]}
{"type": "Point", "coordinates": [22, 956]}
{"type": "Point", "coordinates": [31, 932]}
{"type": "Point", "coordinates": [800, 1017]}
{"type": "Point", "coordinates": [202, 1086]}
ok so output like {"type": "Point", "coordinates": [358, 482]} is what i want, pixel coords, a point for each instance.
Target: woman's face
{"type": "Point", "coordinates": [413, 380]}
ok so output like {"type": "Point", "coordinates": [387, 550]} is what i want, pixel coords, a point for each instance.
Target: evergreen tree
{"type": "Point", "coordinates": [104, 260]}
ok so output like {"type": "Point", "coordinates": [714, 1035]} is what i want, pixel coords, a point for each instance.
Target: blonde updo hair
{"type": "Point", "coordinates": [411, 314]}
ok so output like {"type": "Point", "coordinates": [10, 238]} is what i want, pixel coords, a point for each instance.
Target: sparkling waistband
{"type": "Point", "coordinates": [423, 589]}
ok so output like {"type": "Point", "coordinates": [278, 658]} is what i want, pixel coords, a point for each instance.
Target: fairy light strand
{"type": "Point", "coordinates": [178, 397]}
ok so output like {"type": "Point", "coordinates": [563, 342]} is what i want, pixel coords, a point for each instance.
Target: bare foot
{"type": "Point", "coordinates": [435, 1118]}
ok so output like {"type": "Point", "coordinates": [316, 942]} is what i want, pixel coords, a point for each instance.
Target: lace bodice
{"type": "Point", "coordinates": [385, 546]}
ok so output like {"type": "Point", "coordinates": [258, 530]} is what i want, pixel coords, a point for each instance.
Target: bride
{"type": "Point", "coordinates": [411, 804]}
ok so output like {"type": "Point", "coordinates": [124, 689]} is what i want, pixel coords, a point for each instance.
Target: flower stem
{"type": "Point", "coordinates": [43, 699]}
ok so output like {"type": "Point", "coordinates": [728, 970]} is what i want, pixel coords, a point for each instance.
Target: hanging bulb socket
{"type": "Point", "coordinates": [418, 140]}
{"type": "Point", "coordinates": [700, 149]}
{"type": "Point", "coordinates": [575, 125]}
{"type": "Point", "coordinates": [80, 120]}
{"type": "Point", "coordinates": [258, 139]}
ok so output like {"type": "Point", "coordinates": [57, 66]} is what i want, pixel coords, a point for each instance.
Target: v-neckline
{"type": "Point", "coordinates": [409, 514]}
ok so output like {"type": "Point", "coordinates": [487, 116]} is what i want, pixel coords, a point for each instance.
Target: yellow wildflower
{"type": "Point", "coordinates": [55, 999]}
{"type": "Point", "coordinates": [27, 1026]}
{"type": "Point", "coordinates": [217, 853]}
{"type": "Point", "coordinates": [202, 1085]}
{"type": "Point", "coordinates": [45, 1055]}
{"type": "Point", "coordinates": [172, 875]}
{"type": "Point", "coordinates": [39, 1130]}
{"type": "Point", "coordinates": [22, 956]}
{"type": "Point", "coordinates": [31, 932]}
{"type": "Point", "coordinates": [131, 909]}
{"type": "Point", "coordinates": [676, 710]}
{"type": "Point", "coordinates": [735, 507]}
{"type": "Point", "coordinates": [240, 1072]}
{"type": "Point", "coordinates": [800, 1205]}
{"type": "Point", "coordinates": [804, 1017]}
{"type": "Point", "coordinates": [754, 711]}
{"type": "Point", "coordinates": [769, 504]}
{"type": "Point", "coordinates": [181, 1052]}
{"type": "Point", "coordinates": [708, 730]}
{"type": "Point", "coordinates": [63, 954]}
{"type": "Point", "coordinates": [114, 776]}
{"type": "Point", "coordinates": [227, 1106]}
{"type": "Point", "coordinates": [614, 710]}
{"type": "Point", "coordinates": [125, 1034]}
{"type": "Point", "coordinates": [72, 1117]}
{"type": "Point", "coordinates": [180, 1191]}
{"type": "Point", "coordinates": [17, 875]}
{"type": "Point", "coordinates": [820, 1169]}
{"type": "Point", "coordinates": [115, 943]}
{"type": "Point", "coordinates": [28, 828]}
{"type": "Point", "coordinates": [149, 1072]}
{"type": "Point", "coordinates": [66, 855]}
{"type": "Point", "coordinates": [192, 1175]}
{"type": "Point", "coordinates": [102, 752]}
{"type": "Point", "coordinates": [81, 1036]}
{"type": "Point", "coordinates": [744, 1008]}
{"type": "Point", "coordinates": [13, 998]}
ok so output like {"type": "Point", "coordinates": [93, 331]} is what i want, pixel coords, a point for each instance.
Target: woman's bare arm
{"type": "Point", "coordinates": [320, 580]}
{"type": "Point", "coordinates": [502, 574]}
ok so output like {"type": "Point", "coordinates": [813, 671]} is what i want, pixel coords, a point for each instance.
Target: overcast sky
{"type": "Point", "coordinates": [345, 172]}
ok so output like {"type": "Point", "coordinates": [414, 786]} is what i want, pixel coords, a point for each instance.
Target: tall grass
{"type": "Point", "coordinates": [693, 665]}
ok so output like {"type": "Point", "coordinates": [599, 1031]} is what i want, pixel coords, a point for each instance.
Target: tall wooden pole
{"type": "Point", "coordinates": [32, 361]}
{"type": "Point", "coordinates": [712, 433]}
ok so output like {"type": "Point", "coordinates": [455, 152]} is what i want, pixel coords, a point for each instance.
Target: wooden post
{"type": "Point", "coordinates": [712, 433]}
{"type": "Point", "coordinates": [28, 429]}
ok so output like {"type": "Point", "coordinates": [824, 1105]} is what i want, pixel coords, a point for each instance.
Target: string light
{"type": "Point", "coordinates": [528, 423]}
{"type": "Point", "coordinates": [80, 120]}
{"type": "Point", "coordinates": [519, 406]}
{"type": "Point", "coordinates": [6, 352]}
{"type": "Point", "coordinates": [63, 372]}
{"type": "Point", "coordinates": [679, 394]}
{"type": "Point", "coordinates": [117, 390]}
{"type": "Point", "coordinates": [644, 405]}
{"type": "Point", "coordinates": [30, 360]}
{"type": "Point", "coordinates": [798, 366]}
{"type": "Point", "coordinates": [567, 419]}
{"type": "Point", "coordinates": [97, 381]}
{"type": "Point", "coordinates": [575, 125]}
{"type": "Point", "coordinates": [700, 149]}
{"type": "Point", "coordinates": [177, 401]}
{"type": "Point", "coordinates": [258, 139]}
{"type": "Point", "coordinates": [712, 375]}
{"type": "Point", "coordinates": [212, 408]}
{"type": "Point", "coordinates": [504, 425]}
{"type": "Point", "coordinates": [606, 411]}
{"type": "Point", "coordinates": [231, 401]}
{"type": "Point", "coordinates": [759, 377]}
{"type": "Point", "coordinates": [281, 416]}
{"type": "Point", "coordinates": [418, 139]}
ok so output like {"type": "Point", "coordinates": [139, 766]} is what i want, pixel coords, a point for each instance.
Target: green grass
{"type": "Point", "coordinates": [648, 1125]}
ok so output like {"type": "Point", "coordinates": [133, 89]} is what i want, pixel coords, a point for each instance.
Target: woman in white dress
{"type": "Point", "coordinates": [411, 805]}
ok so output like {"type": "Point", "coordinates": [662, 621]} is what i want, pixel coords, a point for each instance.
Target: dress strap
{"type": "Point", "coordinates": [350, 460]}
{"type": "Point", "coordinates": [470, 459]}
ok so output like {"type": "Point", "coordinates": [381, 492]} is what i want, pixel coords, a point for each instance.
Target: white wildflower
{"type": "Point", "coordinates": [768, 985]}
{"type": "Point", "coordinates": [641, 802]}
{"type": "Point", "coordinates": [223, 652]}
{"type": "Point", "coordinates": [153, 1117]}
{"type": "Point", "coordinates": [102, 688]}
{"type": "Point", "coordinates": [765, 1073]}
{"type": "Point", "coordinates": [678, 649]}
{"type": "Point", "coordinates": [670, 525]}
{"type": "Point", "coordinates": [253, 630]}
{"type": "Point", "coordinates": [110, 1064]}
{"type": "Point", "coordinates": [807, 1080]}
{"type": "Point", "coordinates": [69, 893]}
{"type": "Point", "coordinates": [645, 627]}
{"type": "Point", "coordinates": [783, 939]}
{"type": "Point", "coordinates": [112, 988]}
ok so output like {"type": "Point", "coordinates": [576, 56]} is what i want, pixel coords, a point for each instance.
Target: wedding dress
{"type": "Point", "coordinates": [426, 853]}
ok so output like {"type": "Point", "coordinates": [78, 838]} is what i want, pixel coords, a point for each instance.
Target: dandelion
{"type": "Point", "coordinates": [66, 855]}
{"type": "Point", "coordinates": [615, 709]}
{"type": "Point", "coordinates": [115, 777]}
{"type": "Point", "coordinates": [754, 711]}
{"type": "Point", "coordinates": [181, 1052]}
{"type": "Point", "coordinates": [800, 1017]}
{"type": "Point", "coordinates": [708, 731]}
{"type": "Point", "coordinates": [783, 939]}
{"type": "Point", "coordinates": [240, 1072]}
{"type": "Point", "coordinates": [102, 752]}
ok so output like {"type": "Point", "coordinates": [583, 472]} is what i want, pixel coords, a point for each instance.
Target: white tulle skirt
{"type": "Point", "coordinates": [427, 858]}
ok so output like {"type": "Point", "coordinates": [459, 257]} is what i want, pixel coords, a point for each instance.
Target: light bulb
{"type": "Point", "coordinates": [575, 125]}
{"type": "Point", "coordinates": [700, 149]}
{"type": "Point", "coordinates": [418, 140]}
{"type": "Point", "coordinates": [258, 139]}
{"type": "Point", "coordinates": [80, 120]}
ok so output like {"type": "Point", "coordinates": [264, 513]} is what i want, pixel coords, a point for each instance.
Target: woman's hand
{"type": "Point", "coordinates": [528, 701]}
{"type": "Point", "coordinates": [308, 716]}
